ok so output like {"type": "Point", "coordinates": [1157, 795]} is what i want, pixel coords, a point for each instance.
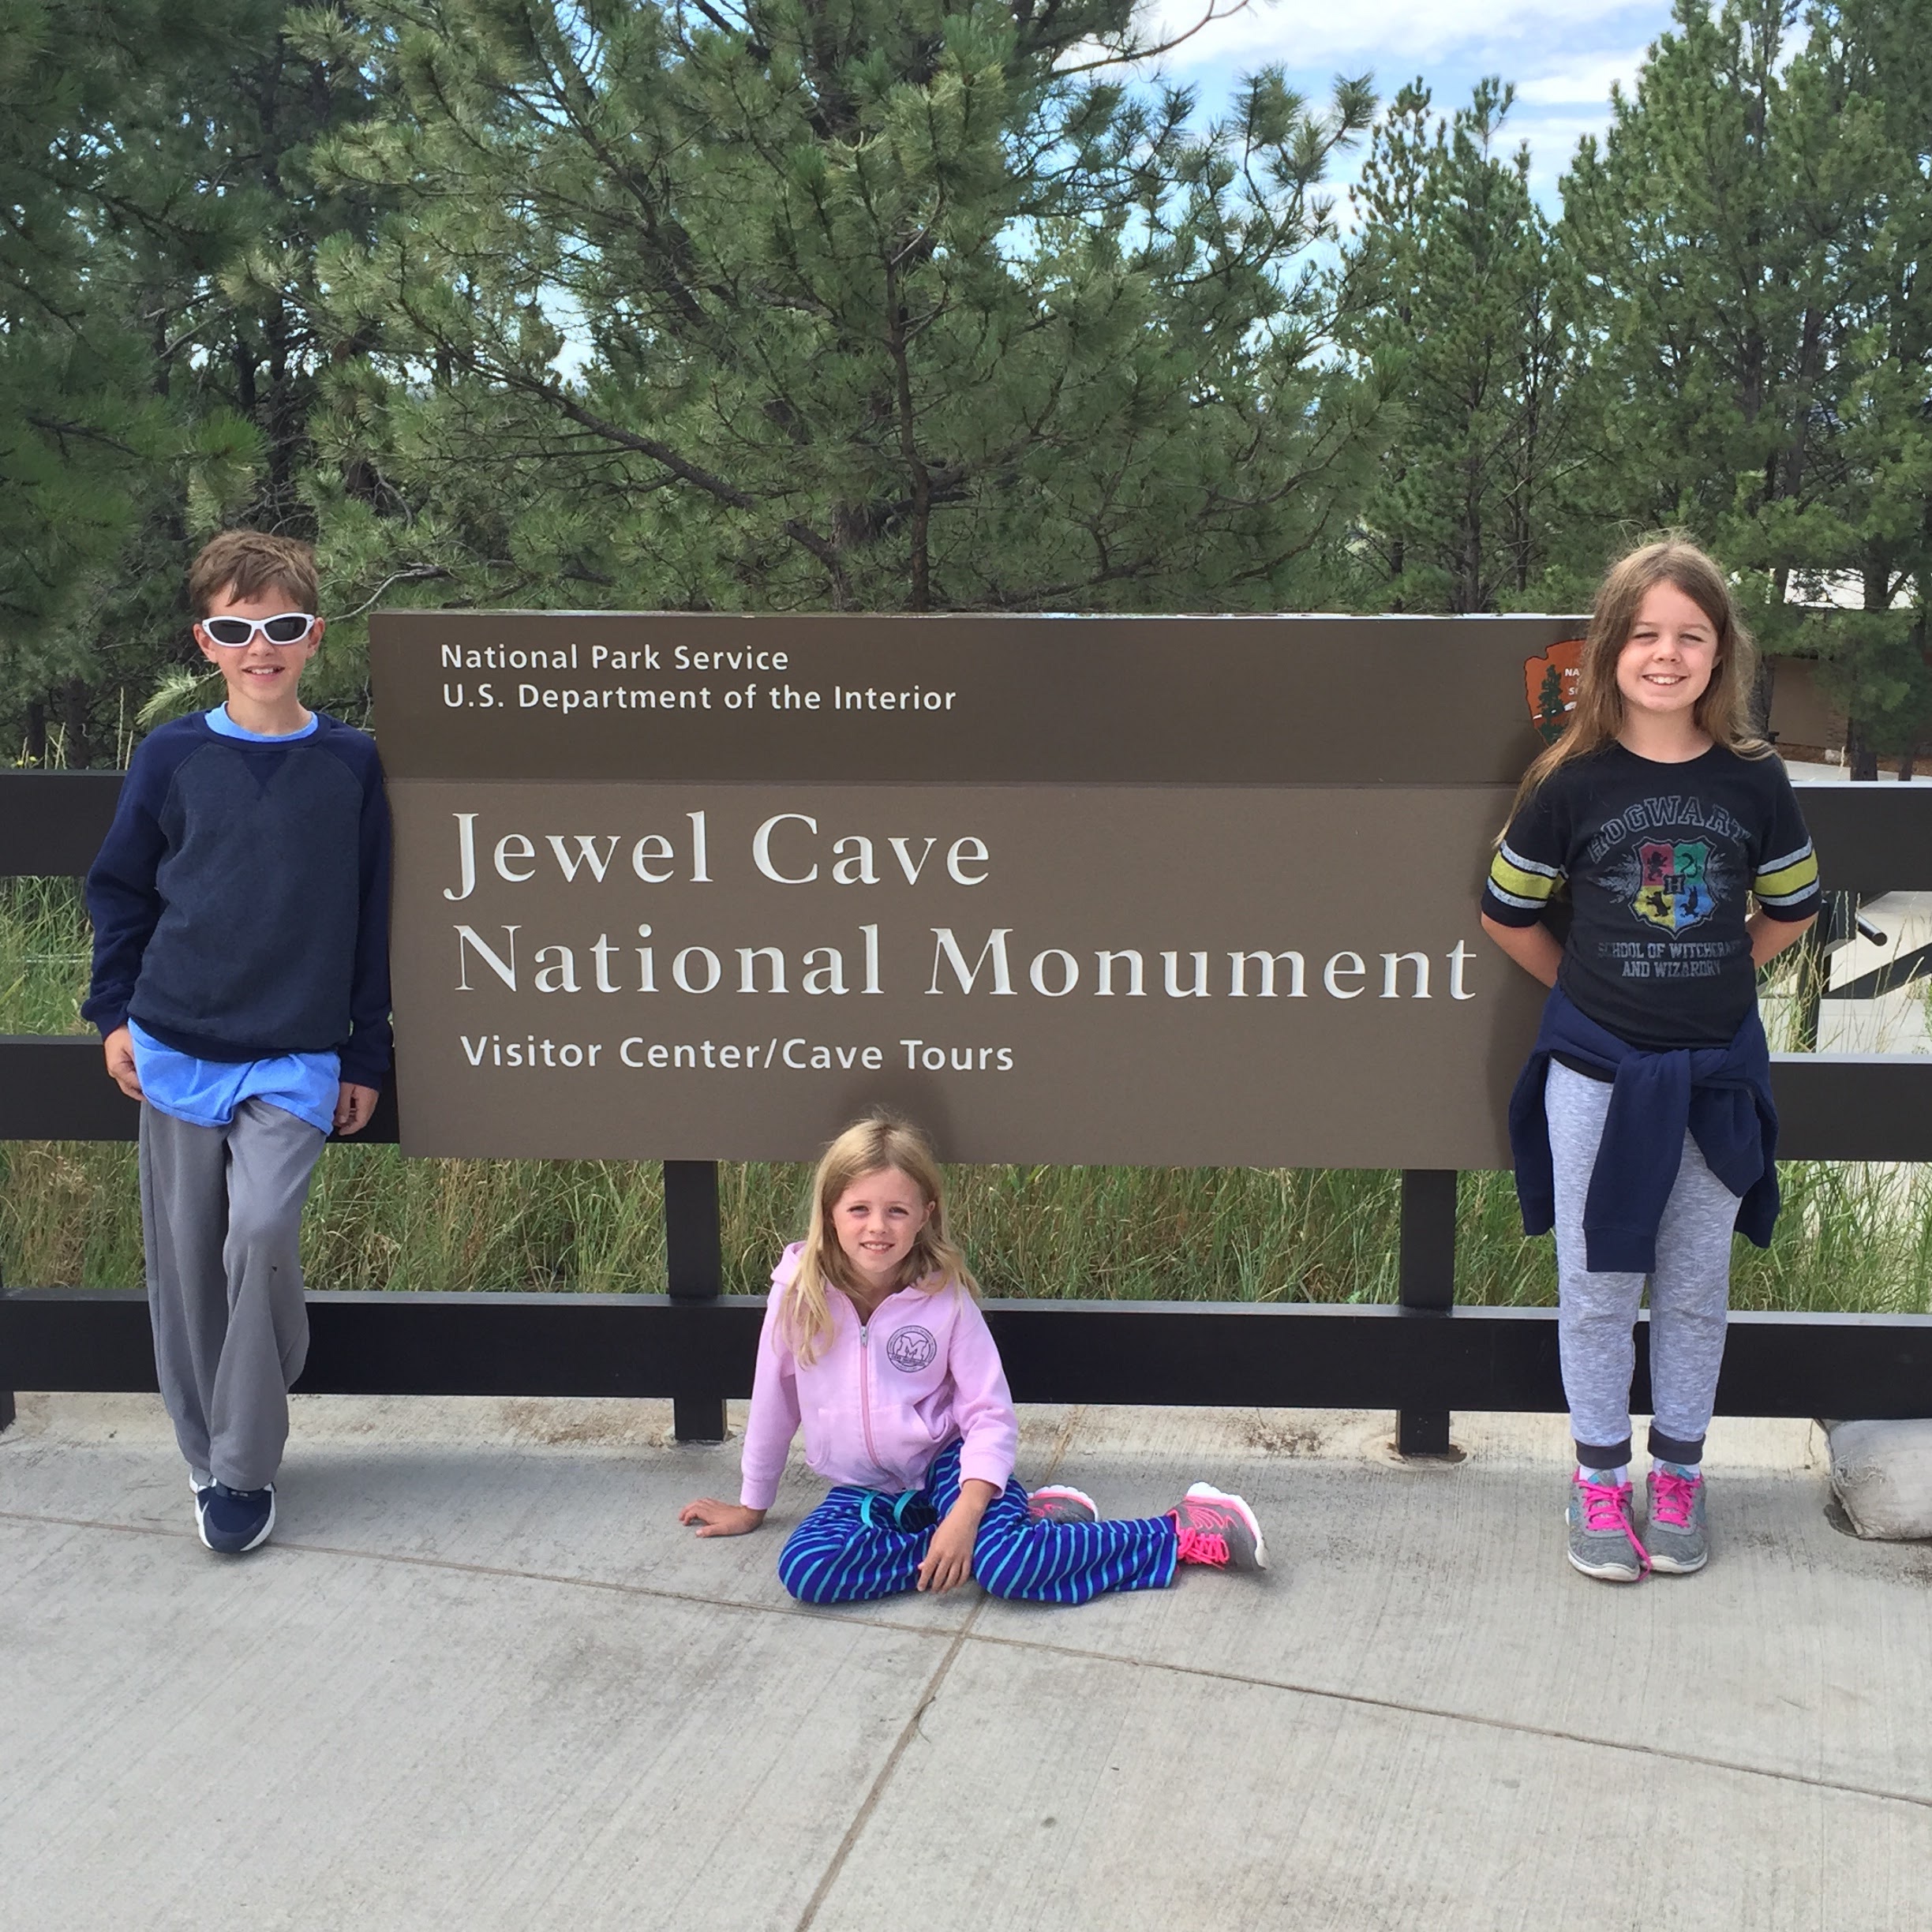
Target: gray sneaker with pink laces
{"type": "Point", "coordinates": [1678, 1542]}
{"type": "Point", "coordinates": [1219, 1530]}
{"type": "Point", "coordinates": [1602, 1543]}
{"type": "Point", "coordinates": [1059, 1502]}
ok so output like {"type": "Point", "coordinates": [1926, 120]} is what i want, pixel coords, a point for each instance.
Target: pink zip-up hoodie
{"type": "Point", "coordinates": [884, 1399]}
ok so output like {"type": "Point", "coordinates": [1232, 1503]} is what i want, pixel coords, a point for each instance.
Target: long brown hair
{"type": "Point", "coordinates": [881, 1140]}
{"type": "Point", "coordinates": [1723, 711]}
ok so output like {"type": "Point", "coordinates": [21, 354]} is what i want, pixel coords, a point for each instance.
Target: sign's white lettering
{"type": "Point", "coordinates": [1190, 891]}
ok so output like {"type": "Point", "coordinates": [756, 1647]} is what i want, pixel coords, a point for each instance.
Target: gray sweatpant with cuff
{"type": "Point", "coordinates": [1690, 1293]}
{"type": "Point", "coordinates": [221, 1216]}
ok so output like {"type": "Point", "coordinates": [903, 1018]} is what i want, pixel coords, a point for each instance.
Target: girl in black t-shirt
{"type": "Point", "coordinates": [1642, 1126]}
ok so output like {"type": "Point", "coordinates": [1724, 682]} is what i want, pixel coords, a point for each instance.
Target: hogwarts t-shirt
{"type": "Point", "coordinates": [1660, 862]}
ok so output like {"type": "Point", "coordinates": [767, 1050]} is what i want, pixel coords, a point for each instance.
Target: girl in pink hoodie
{"type": "Point", "coordinates": [873, 1341]}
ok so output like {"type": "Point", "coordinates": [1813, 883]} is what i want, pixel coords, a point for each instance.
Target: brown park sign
{"type": "Point", "coordinates": [1187, 891]}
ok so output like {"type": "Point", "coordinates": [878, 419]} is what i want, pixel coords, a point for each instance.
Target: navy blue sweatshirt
{"type": "Point", "coordinates": [1721, 1094]}
{"type": "Point", "coordinates": [241, 899]}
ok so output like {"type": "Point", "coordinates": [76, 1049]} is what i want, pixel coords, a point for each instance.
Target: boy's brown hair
{"type": "Point", "coordinates": [242, 564]}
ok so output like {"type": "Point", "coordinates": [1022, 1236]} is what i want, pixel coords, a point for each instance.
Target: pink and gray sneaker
{"type": "Point", "coordinates": [1603, 1544]}
{"type": "Point", "coordinates": [1679, 1543]}
{"type": "Point", "coordinates": [1219, 1530]}
{"type": "Point", "coordinates": [1058, 1503]}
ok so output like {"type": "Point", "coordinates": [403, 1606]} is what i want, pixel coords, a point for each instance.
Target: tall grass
{"type": "Point", "coordinates": [44, 943]}
{"type": "Point", "coordinates": [1851, 1238]}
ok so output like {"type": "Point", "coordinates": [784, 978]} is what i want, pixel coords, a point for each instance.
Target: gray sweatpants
{"type": "Point", "coordinates": [221, 1213]}
{"type": "Point", "coordinates": [1689, 1291]}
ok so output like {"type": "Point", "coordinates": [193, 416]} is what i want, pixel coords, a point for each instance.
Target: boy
{"type": "Point", "coordinates": [241, 910]}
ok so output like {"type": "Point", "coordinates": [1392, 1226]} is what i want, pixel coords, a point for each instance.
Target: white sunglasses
{"type": "Point", "coordinates": [285, 627]}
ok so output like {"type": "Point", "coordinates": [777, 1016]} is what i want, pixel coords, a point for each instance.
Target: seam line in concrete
{"type": "Point", "coordinates": [614, 1587]}
{"type": "Point", "coordinates": [863, 1816]}
{"type": "Point", "coordinates": [957, 1637]}
{"type": "Point", "coordinates": [1328, 1694]}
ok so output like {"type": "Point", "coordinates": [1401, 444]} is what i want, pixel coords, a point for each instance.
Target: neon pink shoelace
{"type": "Point", "coordinates": [1673, 1499]}
{"type": "Point", "coordinates": [1201, 1546]}
{"type": "Point", "coordinates": [1606, 1506]}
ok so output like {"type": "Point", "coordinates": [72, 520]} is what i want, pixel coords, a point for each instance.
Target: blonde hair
{"type": "Point", "coordinates": [1723, 711]}
{"type": "Point", "coordinates": [880, 1141]}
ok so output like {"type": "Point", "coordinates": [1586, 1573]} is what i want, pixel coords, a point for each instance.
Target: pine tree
{"type": "Point", "coordinates": [1751, 232]}
{"type": "Point", "coordinates": [75, 415]}
{"type": "Point", "coordinates": [1860, 100]}
{"type": "Point", "coordinates": [179, 147]}
{"type": "Point", "coordinates": [1450, 291]}
{"type": "Point", "coordinates": [770, 306]}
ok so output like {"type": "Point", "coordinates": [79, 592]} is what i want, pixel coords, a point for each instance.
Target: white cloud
{"type": "Point", "coordinates": [1584, 82]}
{"type": "Point", "coordinates": [1385, 33]}
{"type": "Point", "coordinates": [1563, 55]}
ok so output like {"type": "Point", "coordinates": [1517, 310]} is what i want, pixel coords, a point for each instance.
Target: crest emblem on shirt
{"type": "Point", "coordinates": [911, 1348]}
{"type": "Point", "coordinates": [1676, 892]}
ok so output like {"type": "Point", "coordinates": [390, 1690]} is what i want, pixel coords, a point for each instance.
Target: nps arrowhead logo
{"type": "Point", "coordinates": [1550, 682]}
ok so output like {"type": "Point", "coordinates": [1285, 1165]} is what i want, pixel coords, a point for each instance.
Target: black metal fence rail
{"type": "Point", "coordinates": [1424, 1359]}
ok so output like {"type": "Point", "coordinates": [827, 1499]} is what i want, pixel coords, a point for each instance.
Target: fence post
{"type": "Point", "coordinates": [694, 1264]}
{"type": "Point", "coordinates": [1837, 924]}
{"type": "Point", "coordinates": [1427, 1284]}
{"type": "Point", "coordinates": [6, 1395]}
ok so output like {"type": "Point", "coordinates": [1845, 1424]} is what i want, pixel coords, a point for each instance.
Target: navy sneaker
{"type": "Point", "coordinates": [233, 1521]}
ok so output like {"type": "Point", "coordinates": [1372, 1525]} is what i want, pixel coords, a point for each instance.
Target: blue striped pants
{"type": "Point", "coordinates": [858, 1545]}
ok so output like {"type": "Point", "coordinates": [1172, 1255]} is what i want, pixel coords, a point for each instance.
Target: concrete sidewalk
{"type": "Point", "coordinates": [482, 1679]}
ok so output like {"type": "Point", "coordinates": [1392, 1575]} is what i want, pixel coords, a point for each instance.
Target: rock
{"type": "Point", "coordinates": [1881, 1473]}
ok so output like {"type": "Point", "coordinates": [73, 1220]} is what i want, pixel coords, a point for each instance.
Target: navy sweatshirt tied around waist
{"type": "Point", "coordinates": [1720, 1094]}
{"type": "Point", "coordinates": [241, 899]}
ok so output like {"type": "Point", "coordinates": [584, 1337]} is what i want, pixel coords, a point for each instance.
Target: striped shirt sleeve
{"type": "Point", "coordinates": [1786, 882]}
{"type": "Point", "coordinates": [1528, 867]}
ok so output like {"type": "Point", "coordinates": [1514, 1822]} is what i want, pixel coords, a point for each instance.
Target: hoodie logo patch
{"type": "Point", "coordinates": [911, 1349]}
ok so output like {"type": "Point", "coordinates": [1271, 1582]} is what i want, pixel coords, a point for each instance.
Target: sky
{"type": "Point", "coordinates": [1563, 55]}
